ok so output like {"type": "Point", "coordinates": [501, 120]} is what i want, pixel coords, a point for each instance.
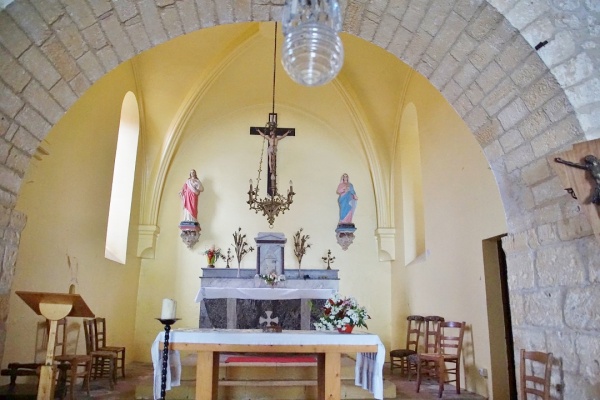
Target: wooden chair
{"type": "Point", "coordinates": [103, 362]}
{"type": "Point", "coordinates": [399, 357]}
{"type": "Point", "coordinates": [537, 380]}
{"type": "Point", "coordinates": [100, 325]}
{"type": "Point", "coordinates": [70, 366]}
{"type": "Point", "coordinates": [449, 339]}
{"type": "Point", "coordinates": [430, 346]}
{"type": "Point", "coordinates": [79, 365]}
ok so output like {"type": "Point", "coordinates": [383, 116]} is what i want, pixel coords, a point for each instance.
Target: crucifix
{"type": "Point", "coordinates": [272, 134]}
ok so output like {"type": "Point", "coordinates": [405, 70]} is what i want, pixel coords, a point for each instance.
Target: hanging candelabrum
{"type": "Point", "coordinates": [271, 205]}
{"type": "Point", "coordinates": [274, 203]}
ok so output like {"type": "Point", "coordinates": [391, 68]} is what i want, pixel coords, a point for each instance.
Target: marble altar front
{"type": "Point", "coordinates": [229, 301]}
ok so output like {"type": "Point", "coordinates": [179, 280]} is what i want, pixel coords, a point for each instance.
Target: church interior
{"type": "Point", "coordinates": [451, 208]}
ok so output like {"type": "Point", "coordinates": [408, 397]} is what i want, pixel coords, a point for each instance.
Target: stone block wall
{"type": "Point", "coordinates": [522, 105]}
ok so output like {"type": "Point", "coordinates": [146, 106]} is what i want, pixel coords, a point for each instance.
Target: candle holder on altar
{"type": "Point", "coordinates": [165, 358]}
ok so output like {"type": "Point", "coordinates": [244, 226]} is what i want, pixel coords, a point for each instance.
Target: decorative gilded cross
{"type": "Point", "coordinates": [329, 260]}
{"type": "Point", "coordinates": [229, 257]}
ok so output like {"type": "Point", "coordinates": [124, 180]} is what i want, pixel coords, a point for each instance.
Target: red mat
{"type": "Point", "coordinates": [261, 359]}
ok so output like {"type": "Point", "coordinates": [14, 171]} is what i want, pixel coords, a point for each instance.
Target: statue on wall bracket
{"type": "Point", "coordinates": [347, 200]}
{"type": "Point", "coordinates": [582, 179]}
{"type": "Point", "coordinates": [189, 226]}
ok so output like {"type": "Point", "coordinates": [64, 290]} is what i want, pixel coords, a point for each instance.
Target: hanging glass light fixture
{"type": "Point", "coordinates": [313, 53]}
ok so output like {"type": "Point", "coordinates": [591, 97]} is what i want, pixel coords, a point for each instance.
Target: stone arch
{"type": "Point", "coordinates": [521, 105]}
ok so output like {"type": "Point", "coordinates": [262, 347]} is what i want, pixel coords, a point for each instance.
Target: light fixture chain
{"type": "Point", "coordinates": [262, 151]}
{"type": "Point", "coordinates": [274, 64]}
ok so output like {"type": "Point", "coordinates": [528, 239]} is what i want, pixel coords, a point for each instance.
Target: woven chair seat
{"type": "Point", "coordinates": [402, 352]}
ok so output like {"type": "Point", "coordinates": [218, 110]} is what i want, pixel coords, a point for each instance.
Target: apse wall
{"type": "Point", "coordinates": [226, 157]}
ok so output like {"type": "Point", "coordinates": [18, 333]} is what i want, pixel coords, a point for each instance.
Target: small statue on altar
{"type": "Point", "coordinates": [591, 164]}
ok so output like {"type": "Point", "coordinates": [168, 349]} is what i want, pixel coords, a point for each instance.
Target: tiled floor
{"type": "Point", "coordinates": [141, 374]}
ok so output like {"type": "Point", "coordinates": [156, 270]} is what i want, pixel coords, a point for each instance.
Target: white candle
{"type": "Point", "coordinates": [169, 307]}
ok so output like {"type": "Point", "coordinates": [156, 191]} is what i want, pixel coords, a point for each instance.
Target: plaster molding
{"type": "Point", "coordinates": [147, 235]}
{"type": "Point", "coordinates": [386, 243]}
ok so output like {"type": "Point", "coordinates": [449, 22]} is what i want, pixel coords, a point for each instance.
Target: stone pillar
{"type": "Point", "coordinates": [11, 224]}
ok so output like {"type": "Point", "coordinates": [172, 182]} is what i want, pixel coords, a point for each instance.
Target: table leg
{"type": "Point", "coordinates": [329, 376]}
{"type": "Point", "coordinates": [207, 375]}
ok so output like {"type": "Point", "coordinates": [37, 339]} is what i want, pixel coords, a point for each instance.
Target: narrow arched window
{"type": "Point", "coordinates": [123, 177]}
{"type": "Point", "coordinates": [413, 211]}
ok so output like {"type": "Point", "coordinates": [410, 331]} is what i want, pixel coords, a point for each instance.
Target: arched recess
{"type": "Point", "coordinates": [123, 178]}
{"type": "Point", "coordinates": [412, 192]}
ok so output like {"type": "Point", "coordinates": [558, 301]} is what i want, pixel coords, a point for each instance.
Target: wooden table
{"type": "Point", "coordinates": [328, 346]}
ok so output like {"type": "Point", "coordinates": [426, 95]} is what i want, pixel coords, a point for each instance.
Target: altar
{"type": "Point", "coordinates": [328, 346]}
{"type": "Point", "coordinates": [229, 301]}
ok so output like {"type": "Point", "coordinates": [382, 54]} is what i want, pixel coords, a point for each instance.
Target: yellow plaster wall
{"type": "Point", "coordinates": [225, 157]}
{"type": "Point", "coordinates": [462, 208]}
{"type": "Point", "coordinates": [65, 196]}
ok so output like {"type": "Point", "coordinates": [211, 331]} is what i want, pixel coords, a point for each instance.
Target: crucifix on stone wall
{"type": "Point", "coordinates": [578, 168]}
{"type": "Point", "coordinates": [272, 134]}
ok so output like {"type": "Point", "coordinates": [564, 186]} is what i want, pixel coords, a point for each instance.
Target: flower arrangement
{"type": "Point", "coordinates": [300, 245]}
{"type": "Point", "coordinates": [213, 254]}
{"type": "Point", "coordinates": [340, 311]}
{"type": "Point", "coordinates": [272, 278]}
{"type": "Point", "coordinates": [241, 246]}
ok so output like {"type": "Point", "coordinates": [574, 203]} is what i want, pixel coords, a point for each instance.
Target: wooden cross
{"type": "Point", "coordinates": [279, 133]}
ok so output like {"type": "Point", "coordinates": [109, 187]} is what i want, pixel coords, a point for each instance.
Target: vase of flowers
{"type": "Point", "coordinates": [342, 314]}
{"type": "Point", "coordinates": [272, 278]}
{"type": "Point", "coordinates": [300, 245]}
{"type": "Point", "coordinates": [212, 255]}
{"type": "Point", "coordinates": [241, 247]}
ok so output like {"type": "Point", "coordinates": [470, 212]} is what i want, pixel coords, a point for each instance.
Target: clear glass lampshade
{"type": "Point", "coordinates": [313, 53]}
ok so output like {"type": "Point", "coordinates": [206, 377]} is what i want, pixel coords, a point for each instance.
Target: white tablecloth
{"type": "Point", "coordinates": [369, 366]}
{"type": "Point", "coordinates": [262, 293]}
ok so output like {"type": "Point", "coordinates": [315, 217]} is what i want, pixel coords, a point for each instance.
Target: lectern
{"type": "Point", "coordinates": [53, 306]}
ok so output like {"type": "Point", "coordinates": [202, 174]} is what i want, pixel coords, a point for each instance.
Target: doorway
{"type": "Point", "coordinates": [499, 320]}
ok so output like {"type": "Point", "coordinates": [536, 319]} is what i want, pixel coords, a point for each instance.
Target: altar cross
{"type": "Point", "coordinates": [273, 135]}
{"type": "Point", "coordinates": [268, 320]}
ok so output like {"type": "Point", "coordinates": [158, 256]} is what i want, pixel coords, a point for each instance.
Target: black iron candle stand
{"type": "Point", "coordinates": [165, 358]}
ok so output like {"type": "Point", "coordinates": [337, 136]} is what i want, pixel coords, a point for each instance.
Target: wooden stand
{"type": "Point", "coordinates": [53, 306]}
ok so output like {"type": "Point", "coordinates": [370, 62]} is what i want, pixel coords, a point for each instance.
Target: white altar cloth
{"type": "Point", "coordinates": [369, 366]}
{"type": "Point", "coordinates": [262, 293]}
